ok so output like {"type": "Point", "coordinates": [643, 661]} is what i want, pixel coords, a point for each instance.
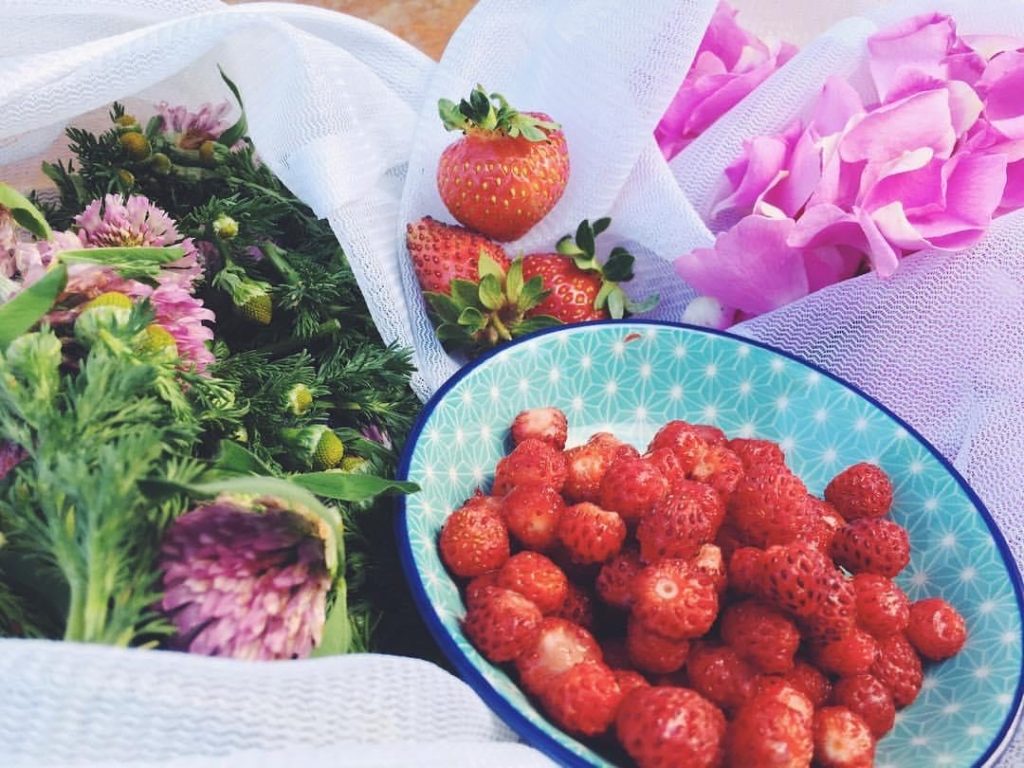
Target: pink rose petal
{"type": "Point", "coordinates": [915, 46]}
{"type": "Point", "coordinates": [920, 120]}
{"type": "Point", "coordinates": [1001, 86]}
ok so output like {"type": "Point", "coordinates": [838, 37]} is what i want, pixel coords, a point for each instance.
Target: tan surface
{"type": "Point", "coordinates": [427, 24]}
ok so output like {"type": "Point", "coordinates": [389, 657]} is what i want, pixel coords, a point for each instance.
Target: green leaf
{"type": "Point", "coordinates": [490, 292]}
{"type": "Point", "coordinates": [585, 237]}
{"type": "Point", "coordinates": [567, 247]}
{"type": "Point", "coordinates": [514, 281]}
{"type": "Point", "coordinates": [26, 214]}
{"type": "Point", "coordinates": [446, 309]}
{"type": "Point", "coordinates": [129, 262]}
{"type": "Point", "coordinates": [488, 266]}
{"type": "Point", "coordinates": [337, 631]}
{"type": "Point", "coordinates": [531, 324]}
{"type": "Point", "coordinates": [27, 308]}
{"type": "Point", "coordinates": [531, 132]}
{"type": "Point", "coordinates": [240, 128]}
{"type": "Point", "coordinates": [472, 319]}
{"type": "Point", "coordinates": [451, 332]}
{"type": "Point", "coordinates": [346, 487]}
{"type": "Point", "coordinates": [533, 294]}
{"type": "Point", "coordinates": [646, 305]}
{"type": "Point", "coordinates": [600, 225]}
{"type": "Point", "coordinates": [238, 460]}
{"type": "Point", "coordinates": [451, 117]}
{"type": "Point", "coordinates": [465, 293]}
{"type": "Point", "coordinates": [588, 263]}
{"type": "Point", "coordinates": [617, 303]}
{"type": "Point", "coordinates": [619, 267]}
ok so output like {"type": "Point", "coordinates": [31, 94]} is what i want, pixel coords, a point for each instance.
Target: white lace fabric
{"type": "Point", "coordinates": [345, 114]}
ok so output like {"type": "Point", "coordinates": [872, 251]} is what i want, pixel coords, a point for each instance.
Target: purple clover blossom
{"type": "Point", "coordinates": [11, 455]}
{"type": "Point", "coordinates": [193, 128]}
{"type": "Point", "coordinates": [377, 434]}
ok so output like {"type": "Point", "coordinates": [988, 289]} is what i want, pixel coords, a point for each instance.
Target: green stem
{"type": "Point", "coordinates": [325, 329]}
{"type": "Point", "coordinates": [500, 327]}
{"type": "Point", "coordinates": [273, 253]}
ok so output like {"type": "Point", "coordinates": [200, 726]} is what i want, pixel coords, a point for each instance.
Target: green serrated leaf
{"type": "Point", "coordinates": [567, 247]}
{"type": "Point", "coordinates": [617, 303]}
{"type": "Point", "coordinates": [514, 281]}
{"type": "Point", "coordinates": [646, 305]}
{"type": "Point", "coordinates": [533, 293]}
{"type": "Point", "coordinates": [26, 309]}
{"type": "Point", "coordinates": [343, 486]}
{"type": "Point", "coordinates": [488, 266]}
{"type": "Point", "coordinates": [26, 214]}
{"type": "Point", "coordinates": [447, 310]}
{"type": "Point", "coordinates": [585, 237]}
{"type": "Point", "coordinates": [465, 293]}
{"type": "Point", "coordinates": [490, 292]}
{"type": "Point", "coordinates": [600, 225]}
{"type": "Point", "coordinates": [472, 319]}
{"type": "Point", "coordinates": [619, 267]}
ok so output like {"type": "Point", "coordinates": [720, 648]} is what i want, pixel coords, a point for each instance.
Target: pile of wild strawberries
{"type": "Point", "coordinates": [695, 601]}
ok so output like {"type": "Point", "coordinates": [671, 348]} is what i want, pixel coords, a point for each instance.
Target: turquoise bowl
{"type": "Point", "coordinates": [631, 377]}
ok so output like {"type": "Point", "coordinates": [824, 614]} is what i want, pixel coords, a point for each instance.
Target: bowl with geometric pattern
{"type": "Point", "coordinates": [631, 377]}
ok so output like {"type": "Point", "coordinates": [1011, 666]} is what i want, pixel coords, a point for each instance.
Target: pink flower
{"type": "Point", "coordinates": [11, 455]}
{"type": "Point", "coordinates": [193, 128]}
{"type": "Point", "coordinates": [184, 316]}
{"type": "Point", "coordinates": [135, 221]}
{"type": "Point", "coordinates": [730, 63]}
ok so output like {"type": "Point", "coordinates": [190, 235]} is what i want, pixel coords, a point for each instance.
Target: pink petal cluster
{"type": "Point", "coordinates": [730, 63]}
{"type": "Point", "coordinates": [924, 162]}
{"type": "Point", "coordinates": [245, 584]}
{"type": "Point", "coordinates": [184, 317]}
{"type": "Point", "coordinates": [193, 128]}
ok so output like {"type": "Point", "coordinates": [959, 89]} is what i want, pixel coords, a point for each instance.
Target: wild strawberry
{"type": "Point", "coordinates": [473, 540]}
{"type": "Point", "coordinates": [851, 655]}
{"type": "Point", "coordinates": [754, 453]}
{"type": "Point", "coordinates": [502, 624]}
{"type": "Point", "coordinates": [591, 534]}
{"type": "Point", "coordinates": [537, 579]}
{"type": "Point", "coordinates": [677, 526]}
{"type": "Point", "coordinates": [530, 463]}
{"type": "Point", "coordinates": [587, 463]}
{"type": "Point", "coordinates": [769, 506]}
{"type": "Point", "coordinates": [728, 539]}
{"type": "Point", "coordinates": [823, 524]}
{"type": "Point", "coordinates": [835, 613]}
{"type": "Point", "coordinates": [719, 674]}
{"type": "Point", "coordinates": [443, 252]}
{"type": "Point", "coordinates": [794, 576]}
{"type": "Point", "coordinates": [632, 487]}
{"type": "Point", "coordinates": [668, 727]}
{"type": "Point", "coordinates": [615, 581]}
{"type": "Point", "coordinates": [746, 571]}
{"type": "Point", "coordinates": [882, 607]}
{"type": "Point", "coordinates": [842, 739]}
{"type": "Point", "coordinates": [531, 513]}
{"type": "Point", "coordinates": [898, 668]}
{"type": "Point", "coordinates": [678, 434]}
{"type": "Point", "coordinates": [872, 545]}
{"type": "Point", "coordinates": [709, 562]}
{"type": "Point", "coordinates": [584, 698]}
{"type": "Point", "coordinates": [936, 629]}
{"type": "Point", "coordinates": [773, 728]}
{"type": "Point", "coordinates": [508, 169]}
{"type": "Point", "coordinates": [673, 599]}
{"type": "Point", "coordinates": [867, 697]}
{"type": "Point", "coordinates": [809, 680]}
{"type": "Point", "coordinates": [548, 425]}
{"type": "Point", "coordinates": [668, 464]}
{"type": "Point", "coordinates": [862, 490]}
{"type": "Point", "coordinates": [578, 607]}
{"type": "Point", "coordinates": [629, 680]}
{"type": "Point", "coordinates": [720, 468]}
{"type": "Point", "coordinates": [654, 653]}
{"type": "Point", "coordinates": [761, 635]}
{"type": "Point", "coordinates": [475, 588]}
{"type": "Point", "coordinates": [559, 646]}
{"type": "Point", "coordinates": [578, 287]}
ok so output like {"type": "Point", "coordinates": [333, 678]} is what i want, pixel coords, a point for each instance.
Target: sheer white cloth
{"type": "Point", "coordinates": [345, 113]}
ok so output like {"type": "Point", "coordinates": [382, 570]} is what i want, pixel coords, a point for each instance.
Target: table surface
{"type": "Point", "coordinates": [427, 24]}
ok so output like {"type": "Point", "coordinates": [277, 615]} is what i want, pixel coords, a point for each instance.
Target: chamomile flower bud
{"type": "Point", "coordinates": [135, 145]}
{"type": "Point", "coordinates": [314, 447]}
{"type": "Point", "coordinates": [156, 340]}
{"type": "Point", "coordinates": [109, 299]}
{"type": "Point", "coordinates": [225, 227]}
{"type": "Point", "coordinates": [161, 163]}
{"type": "Point", "coordinates": [252, 301]}
{"type": "Point", "coordinates": [300, 399]}
{"type": "Point", "coordinates": [126, 177]}
{"type": "Point", "coordinates": [126, 121]}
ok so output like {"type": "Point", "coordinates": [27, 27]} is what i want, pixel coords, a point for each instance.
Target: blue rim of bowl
{"type": "Point", "coordinates": [534, 735]}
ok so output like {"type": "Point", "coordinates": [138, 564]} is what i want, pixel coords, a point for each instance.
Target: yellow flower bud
{"type": "Point", "coordinates": [135, 145]}
{"type": "Point", "coordinates": [225, 227]}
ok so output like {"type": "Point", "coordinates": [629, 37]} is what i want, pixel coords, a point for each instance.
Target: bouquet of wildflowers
{"type": "Point", "coordinates": [196, 412]}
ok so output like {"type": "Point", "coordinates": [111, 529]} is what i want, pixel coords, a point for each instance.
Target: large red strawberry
{"type": "Point", "coordinates": [443, 252]}
{"type": "Point", "coordinates": [578, 287]}
{"type": "Point", "coordinates": [773, 728]}
{"type": "Point", "coordinates": [508, 169]}
{"type": "Point", "coordinates": [583, 699]}
{"type": "Point", "coordinates": [668, 727]}
{"type": "Point", "coordinates": [502, 624]}
{"type": "Point", "coordinates": [866, 696]}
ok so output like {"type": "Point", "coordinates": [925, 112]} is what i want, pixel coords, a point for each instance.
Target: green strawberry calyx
{"type": "Point", "coordinates": [485, 113]}
{"type": "Point", "coordinates": [617, 269]}
{"type": "Point", "coordinates": [475, 316]}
